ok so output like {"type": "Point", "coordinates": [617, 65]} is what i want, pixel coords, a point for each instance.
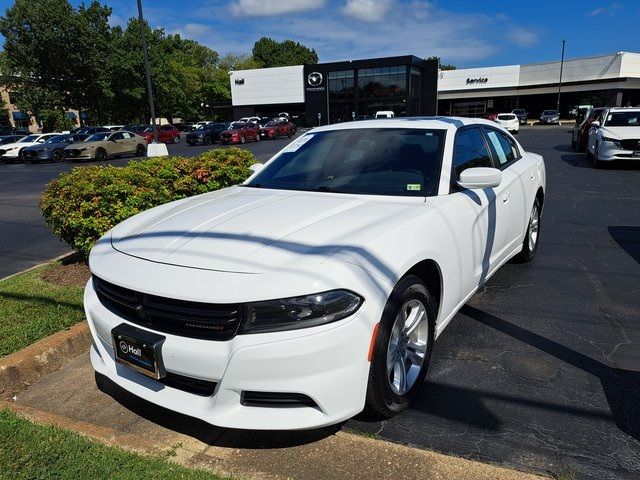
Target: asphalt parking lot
{"type": "Point", "coordinates": [540, 371]}
{"type": "Point", "coordinates": [25, 240]}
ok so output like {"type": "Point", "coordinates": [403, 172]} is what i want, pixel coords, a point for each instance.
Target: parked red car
{"type": "Point", "coordinates": [240, 132]}
{"type": "Point", "coordinates": [580, 133]}
{"type": "Point", "coordinates": [166, 134]}
{"type": "Point", "coordinates": [275, 129]}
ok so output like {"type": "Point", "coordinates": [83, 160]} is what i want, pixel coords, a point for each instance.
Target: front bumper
{"type": "Point", "coordinates": [609, 152]}
{"type": "Point", "coordinates": [79, 154]}
{"type": "Point", "coordinates": [326, 363]}
{"type": "Point", "coordinates": [232, 140]}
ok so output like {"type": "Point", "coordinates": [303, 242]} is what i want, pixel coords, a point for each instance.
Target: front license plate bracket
{"type": "Point", "coordinates": [139, 350]}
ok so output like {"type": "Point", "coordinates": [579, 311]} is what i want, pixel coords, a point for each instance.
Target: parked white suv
{"type": "Point", "coordinates": [615, 135]}
{"type": "Point", "coordinates": [509, 121]}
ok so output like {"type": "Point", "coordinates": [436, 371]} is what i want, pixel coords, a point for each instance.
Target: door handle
{"type": "Point", "coordinates": [506, 197]}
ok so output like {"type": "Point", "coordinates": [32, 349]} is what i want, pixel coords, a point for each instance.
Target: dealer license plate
{"type": "Point", "coordinates": [139, 349]}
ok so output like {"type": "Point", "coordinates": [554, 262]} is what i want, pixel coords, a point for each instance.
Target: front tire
{"type": "Point", "coordinates": [141, 151]}
{"type": "Point", "coordinates": [58, 156]}
{"type": "Point", "coordinates": [402, 349]}
{"type": "Point", "coordinates": [101, 155]}
{"type": "Point", "coordinates": [207, 140]}
{"type": "Point", "coordinates": [532, 237]}
{"type": "Point", "coordinates": [258, 137]}
{"type": "Point", "coordinates": [596, 162]}
{"type": "Point", "coordinates": [176, 139]}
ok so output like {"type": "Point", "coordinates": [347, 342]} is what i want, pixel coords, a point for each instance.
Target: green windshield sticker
{"type": "Point", "coordinates": [414, 186]}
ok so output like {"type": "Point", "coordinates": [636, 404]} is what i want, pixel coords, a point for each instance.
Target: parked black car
{"type": "Point", "coordinates": [206, 134]}
{"type": "Point", "coordinates": [52, 149]}
{"type": "Point", "coordinates": [550, 117]}
{"type": "Point", "coordinates": [522, 115]}
{"type": "Point", "coordinates": [4, 139]}
{"type": "Point", "coordinates": [137, 128]}
{"type": "Point", "coordinates": [89, 130]}
{"type": "Point", "coordinates": [185, 126]}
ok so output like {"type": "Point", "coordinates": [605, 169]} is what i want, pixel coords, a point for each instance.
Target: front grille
{"type": "Point", "coordinates": [196, 386]}
{"type": "Point", "coordinates": [72, 152]}
{"type": "Point", "coordinates": [200, 320]}
{"type": "Point", "coordinates": [630, 144]}
{"type": "Point", "coordinates": [29, 154]}
{"type": "Point", "coordinates": [2, 152]}
{"type": "Point", "coordinates": [276, 399]}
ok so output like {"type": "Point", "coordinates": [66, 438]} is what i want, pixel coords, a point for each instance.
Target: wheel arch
{"type": "Point", "coordinates": [429, 272]}
{"type": "Point", "coordinates": [540, 197]}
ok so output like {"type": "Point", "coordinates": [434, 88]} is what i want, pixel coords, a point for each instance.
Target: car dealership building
{"type": "Point", "coordinates": [407, 85]}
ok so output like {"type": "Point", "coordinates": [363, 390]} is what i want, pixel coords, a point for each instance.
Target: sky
{"type": "Point", "coordinates": [462, 32]}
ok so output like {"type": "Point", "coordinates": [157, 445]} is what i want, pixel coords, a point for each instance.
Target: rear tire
{"type": "Point", "coordinates": [207, 140]}
{"type": "Point", "coordinates": [402, 349]}
{"type": "Point", "coordinates": [176, 139]}
{"type": "Point", "coordinates": [532, 237]}
{"type": "Point", "coordinates": [258, 137]}
{"type": "Point", "coordinates": [242, 140]}
{"type": "Point", "coordinates": [101, 155]}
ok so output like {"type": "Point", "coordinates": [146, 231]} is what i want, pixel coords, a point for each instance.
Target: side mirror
{"type": "Point", "coordinates": [480, 177]}
{"type": "Point", "coordinates": [256, 167]}
{"type": "Point", "coordinates": [595, 124]}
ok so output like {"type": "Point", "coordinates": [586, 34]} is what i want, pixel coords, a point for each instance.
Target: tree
{"type": "Point", "coordinates": [271, 53]}
{"type": "Point", "coordinates": [443, 66]}
{"type": "Point", "coordinates": [38, 37]}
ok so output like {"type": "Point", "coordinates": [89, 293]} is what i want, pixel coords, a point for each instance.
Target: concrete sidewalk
{"type": "Point", "coordinates": [74, 398]}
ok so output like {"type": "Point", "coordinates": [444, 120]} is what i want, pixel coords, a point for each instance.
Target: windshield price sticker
{"type": "Point", "coordinates": [296, 144]}
{"type": "Point", "coordinates": [414, 186]}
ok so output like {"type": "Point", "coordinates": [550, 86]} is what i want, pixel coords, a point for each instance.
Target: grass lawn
{"type": "Point", "coordinates": [32, 308]}
{"type": "Point", "coordinates": [30, 451]}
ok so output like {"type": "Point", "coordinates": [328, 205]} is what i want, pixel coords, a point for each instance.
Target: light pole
{"type": "Point", "coordinates": [147, 71]}
{"type": "Point", "coordinates": [560, 79]}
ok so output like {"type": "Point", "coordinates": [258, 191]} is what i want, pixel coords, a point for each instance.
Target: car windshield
{"type": "Point", "coordinates": [219, 126]}
{"type": "Point", "coordinates": [236, 125]}
{"type": "Point", "coordinates": [271, 124]}
{"type": "Point", "coordinates": [99, 137]}
{"type": "Point", "coordinates": [549, 112]}
{"type": "Point", "coordinates": [623, 119]}
{"type": "Point", "coordinates": [374, 161]}
{"type": "Point", "coordinates": [30, 138]}
{"type": "Point", "coordinates": [518, 112]}
{"type": "Point", "coordinates": [506, 117]}
{"type": "Point", "coordinates": [57, 139]}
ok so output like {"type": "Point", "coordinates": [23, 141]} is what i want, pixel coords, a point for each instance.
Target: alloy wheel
{"type": "Point", "coordinates": [534, 226]}
{"type": "Point", "coordinates": [407, 347]}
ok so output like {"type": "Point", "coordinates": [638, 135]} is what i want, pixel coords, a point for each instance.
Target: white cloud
{"type": "Point", "coordinates": [522, 37]}
{"type": "Point", "coordinates": [117, 20]}
{"type": "Point", "coordinates": [609, 10]}
{"type": "Point", "coordinates": [367, 10]}
{"type": "Point", "coordinates": [270, 8]}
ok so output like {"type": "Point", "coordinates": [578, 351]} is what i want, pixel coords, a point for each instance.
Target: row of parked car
{"type": "Point", "coordinates": [246, 129]}
{"type": "Point", "coordinates": [608, 134]}
{"type": "Point", "coordinates": [78, 146]}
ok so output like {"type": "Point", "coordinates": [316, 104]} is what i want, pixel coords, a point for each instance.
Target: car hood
{"type": "Point", "coordinates": [233, 130]}
{"type": "Point", "coordinates": [20, 144]}
{"type": "Point", "coordinates": [43, 146]}
{"type": "Point", "coordinates": [249, 230]}
{"type": "Point", "coordinates": [621, 133]}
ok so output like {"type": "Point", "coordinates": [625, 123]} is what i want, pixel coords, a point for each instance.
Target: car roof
{"type": "Point", "coordinates": [624, 109]}
{"type": "Point", "coordinates": [439, 123]}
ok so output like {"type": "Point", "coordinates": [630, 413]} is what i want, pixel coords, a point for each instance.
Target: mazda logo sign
{"type": "Point", "coordinates": [314, 79]}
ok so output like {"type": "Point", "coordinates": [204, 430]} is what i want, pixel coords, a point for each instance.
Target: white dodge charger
{"type": "Point", "coordinates": [315, 289]}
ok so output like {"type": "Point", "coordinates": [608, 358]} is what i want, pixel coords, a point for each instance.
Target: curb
{"type": "Point", "coordinates": [20, 369]}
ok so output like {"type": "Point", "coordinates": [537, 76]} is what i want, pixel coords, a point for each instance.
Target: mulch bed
{"type": "Point", "coordinates": [70, 271]}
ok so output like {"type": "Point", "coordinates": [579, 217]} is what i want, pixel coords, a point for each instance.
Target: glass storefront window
{"type": "Point", "coordinates": [382, 82]}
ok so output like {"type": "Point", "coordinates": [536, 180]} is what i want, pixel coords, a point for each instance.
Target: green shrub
{"type": "Point", "coordinates": [81, 205]}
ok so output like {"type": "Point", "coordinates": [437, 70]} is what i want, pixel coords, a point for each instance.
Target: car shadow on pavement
{"type": "Point", "coordinates": [209, 434]}
{"type": "Point", "coordinates": [628, 238]}
{"type": "Point", "coordinates": [621, 387]}
{"type": "Point", "coordinates": [580, 159]}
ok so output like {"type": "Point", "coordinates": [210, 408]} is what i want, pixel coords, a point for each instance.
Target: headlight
{"type": "Point", "coordinates": [299, 312]}
{"type": "Point", "coordinates": [612, 140]}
